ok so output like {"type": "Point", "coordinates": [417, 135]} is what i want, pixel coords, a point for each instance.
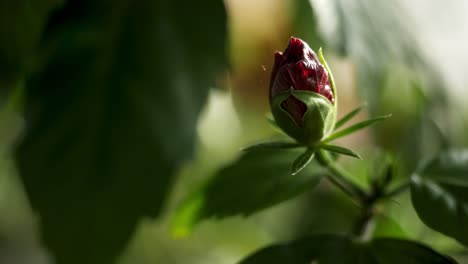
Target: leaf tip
{"type": "Point", "coordinates": [295, 171]}
{"type": "Point", "coordinates": [187, 216]}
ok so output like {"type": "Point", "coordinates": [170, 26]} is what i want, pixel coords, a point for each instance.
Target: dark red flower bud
{"type": "Point", "coordinates": [298, 68]}
{"type": "Point", "coordinates": [300, 84]}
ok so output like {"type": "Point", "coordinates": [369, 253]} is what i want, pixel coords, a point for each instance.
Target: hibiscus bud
{"type": "Point", "coordinates": [302, 96]}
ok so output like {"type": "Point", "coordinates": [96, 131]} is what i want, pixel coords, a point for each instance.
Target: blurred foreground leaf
{"type": "Point", "coordinates": [111, 115]}
{"type": "Point", "coordinates": [335, 249]}
{"type": "Point", "coordinates": [440, 194]}
{"type": "Point", "coordinates": [21, 24]}
{"type": "Point", "coordinates": [257, 180]}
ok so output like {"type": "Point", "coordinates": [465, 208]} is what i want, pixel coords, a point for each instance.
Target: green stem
{"type": "Point", "coordinates": [340, 185]}
{"type": "Point", "coordinates": [339, 176]}
{"type": "Point", "coordinates": [367, 213]}
{"type": "Point", "coordinates": [398, 190]}
{"type": "Point", "coordinates": [361, 225]}
{"type": "Point", "coordinates": [366, 200]}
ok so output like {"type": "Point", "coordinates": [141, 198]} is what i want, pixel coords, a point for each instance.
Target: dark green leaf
{"type": "Point", "coordinates": [335, 249]}
{"type": "Point", "coordinates": [21, 25]}
{"type": "Point", "coordinates": [302, 160]}
{"type": "Point", "coordinates": [257, 180]}
{"type": "Point", "coordinates": [272, 145]}
{"type": "Point", "coordinates": [340, 150]}
{"type": "Point", "coordinates": [439, 193]}
{"type": "Point", "coordinates": [348, 117]}
{"type": "Point", "coordinates": [355, 127]}
{"type": "Point", "coordinates": [111, 115]}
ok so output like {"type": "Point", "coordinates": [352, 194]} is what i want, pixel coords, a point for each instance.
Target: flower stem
{"type": "Point", "coordinates": [366, 200]}
{"type": "Point", "coordinates": [367, 213]}
{"type": "Point", "coordinates": [398, 190]}
{"type": "Point", "coordinates": [339, 176]}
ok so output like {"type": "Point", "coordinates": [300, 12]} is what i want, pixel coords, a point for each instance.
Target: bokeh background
{"type": "Point", "coordinates": [408, 58]}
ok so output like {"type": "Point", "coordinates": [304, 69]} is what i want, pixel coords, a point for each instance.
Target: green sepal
{"type": "Point", "coordinates": [273, 145]}
{"type": "Point", "coordinates": [330, 77]}
{"type": "Point", "coordinates": [302, 161]}
{"type": "Point", "coordinates": [340, 150]}
{"type": "Point", "coordinates": [318, 120]}
{"type": "Point", "coordinates": [356, 127]}
{"type": "Point", "coordinates": [348, 116]}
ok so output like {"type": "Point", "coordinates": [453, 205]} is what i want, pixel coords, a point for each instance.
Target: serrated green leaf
{"type": "Point", "coordinates": [340, 150]}
{"type": "Point", "coordinates": [111, 115]}
{"type": "Point", "coordinates": [336, 249]}
{"type": "Point", "coordinates": [355, 128]}
{"type": "Point", "coordinates": [272, 145]}
{"type": "Point", "coordinates": [302, 161]}
{"type": "Point", "coordinates": [439, 192]}
{"type": "Point", "coordinates": [257, 180]}
{"type": "Point", "coordinates": [348, 117]}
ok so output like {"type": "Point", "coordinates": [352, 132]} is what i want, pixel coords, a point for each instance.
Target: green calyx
{"type": "Point", "coordinates": [318, 120]}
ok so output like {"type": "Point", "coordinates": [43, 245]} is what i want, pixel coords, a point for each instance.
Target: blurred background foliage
{"type": "Point", "coordinates": [110, 104]}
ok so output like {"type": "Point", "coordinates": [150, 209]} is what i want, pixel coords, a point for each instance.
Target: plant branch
{"type": "Point", "coordinates": [339, 176]}
{"type": "Point", "coordinates": [367, 213]}
{"type": "Point", "coordinates": [367, 200]}
{"type": "Point", "coordinates": [340, 185]}
{"type": "Point", "coordinates": [398, 190]}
